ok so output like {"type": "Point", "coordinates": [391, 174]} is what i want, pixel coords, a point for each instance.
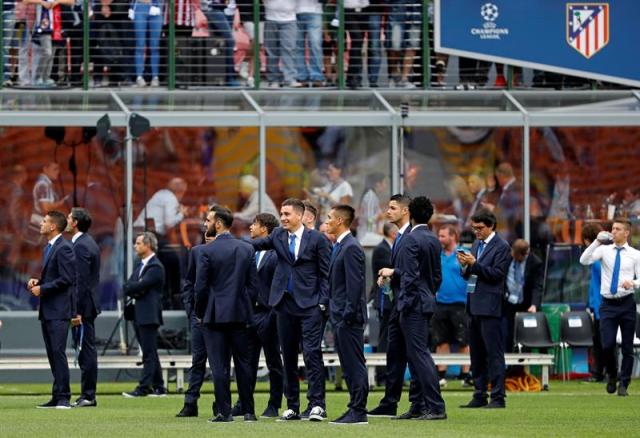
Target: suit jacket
{"type": "Point", "coordinates": [491, 270]}
{"type": "Point", "coordinates": [532, 289]}
{"type": "Point", "coordinates": [381, 258]}
{"type": "Point", "coordinates": [188, 296]}
{"type": "Point", "coordinates": [395, 280]}
{"type": "Point", "coordinates": [420, 271]}
{"type": "Point", "coordinates": [58, 283]}
{"type": "Point", "coordinates": [266, 270]}
{"type": "Point", "coordinates": [87, 256]}
{"type": "Point", "coordinates": [147, 287]}
{"type": "Point", "coordinates": [310, 270]}
{"type": "Point", "coordinates": [225, 279]}
{"type": "Point", "coordinates": [347, 282]}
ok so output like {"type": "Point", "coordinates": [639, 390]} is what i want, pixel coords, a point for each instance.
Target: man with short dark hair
{"type": "Point", "coordinates": [225, 279]}
{"type": "Point", "coordinates": [300, 295]}
{"type": "Point", "coordinates": [87, 256]}
{"type": "Point", "coordinates": [348, 311]}
{"type": "Point", "coordinates": [310, 215]}
{"type": "Point", "coordinates": [620, 278]}
{"type": "Point", "coordinates": [485, 269]}
{"type": "Point", "coordinates": [144, 288]}
{"type": "Point", "coordinates": [56, 290]}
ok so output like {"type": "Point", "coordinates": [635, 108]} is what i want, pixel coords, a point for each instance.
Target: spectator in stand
{"type": "Point", "coordinates": [108, 43]}
{"type": "Point", "coordinates": [25, 19]}
{"type": "Point", "coordinates": [371, 214]}
{"type": "Point", "coordinates": [281, 34]}
{"type": "Point", "coordinates": [69, 72]}
{"type": "Point", "coordinates": [310, 216]}
{"type": "Point", "coordinates": [45, 197]}
{"type": "Point", "coordinates": [356, 23]}
{"type": "Point", "coordinates": [47, 39]}
{"type": "Point", "coordinates": [450, 322]}
{"type": "Point", "coordinates": [147, 20]}
{"type": "Point", "coordinates": [329, 44]}
{"type": "Point", "coordinates": [472, 73]}
{"type": "Point", "coordinates": [249, 186]}
{"type": "Point", "coordinates": [249, 24]}
{"type": "Point", "coordinates": [589, 233]}
{"type": "Point", "coordinates": [309, 19]}
{"type": "Point", "coordinates": [8, 40]}
{"type": "Point", "coordinates": [337, 190]}
{"type": "Point", "coordinates": [215, 15]}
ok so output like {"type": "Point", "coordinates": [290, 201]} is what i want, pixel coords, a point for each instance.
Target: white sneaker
{"type": "Point", "coordinates": [317, 414]}
{"type": "Point", "coordinates": [289, 415]}
{"type": "Point", "coordinates": [295, 84]}
{"type": "Point", "coordinates": [140, 82]}
{"type": "Point", "coordinates": [335, 23]}
{"type": "Point", "coordinates": [443, 383]}
{"type": "Point", "coordinates": [155, 82]}
{"type": "Point", "coordinates": [251, 83]}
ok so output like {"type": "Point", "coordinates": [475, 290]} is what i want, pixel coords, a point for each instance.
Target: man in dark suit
{"type": "Point", "coordinates": [398, 214]}
{"type": "Point", "coordinates": [263, 333]}
{"type": "Point", "coordinates": [381, 258]}
{"type": "Point", "coordinates": [145, 286]}
{"type": "Point", "coordinates": [87, 256]}
{"type": "Point", "coordinates": [420, 275]}
{"type": "Point", "coordinates": [300, 295]}
{"type": "Point", "coordinates": [348, 311]}
{"type": "Point", "coordinates": [524, 287]}
{"type": "Point", "coordinates": [56, 289]}
{"type": "Point", "coordinates": [198, 348]}
{"type": "Point", "coordinates": [486, 268]}
{"type": "Point", "coordinates": [225, 279]}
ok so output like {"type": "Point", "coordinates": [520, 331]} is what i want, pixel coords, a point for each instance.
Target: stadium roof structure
{"type": "Point", "coordinates": [294, 108]}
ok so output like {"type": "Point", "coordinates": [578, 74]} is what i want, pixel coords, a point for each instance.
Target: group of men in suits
{"type": "Point", "coordinates": [67, 290]}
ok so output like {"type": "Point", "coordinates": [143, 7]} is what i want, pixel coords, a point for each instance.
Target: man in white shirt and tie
{"type": "Point", "coordinates": [620, 277]}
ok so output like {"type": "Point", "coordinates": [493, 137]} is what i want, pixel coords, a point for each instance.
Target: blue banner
{"type": "Point", "coordinates": [598, 40]}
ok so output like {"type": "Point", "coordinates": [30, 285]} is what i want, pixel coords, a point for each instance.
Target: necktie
{"type": "Point", "coordinates": [616, 273]}
{"type": "Point", "coordinates": [257, 258]}
{"type": "Point", "coordinates": [140, 268]}
{"type": "Point", "coordinates": [396, 242]}
{"type": "Point", "coordinates": [47, 251]}
{"type": "Point", "coordinates": [292, 246]}
{"type": "Point", "coordinates": [480, 249]}
{"type": "Point", "coordinates": [334, 251]}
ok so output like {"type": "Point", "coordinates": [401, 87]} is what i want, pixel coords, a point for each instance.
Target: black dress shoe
{"type": "Point", "coordinates": [495, 404]}
{"type": "Point", "coordinates": [622, 391]}
{"type": "Point", "coordinates": [433, 416]}
{"type": "Point", "coordinates": [475, 403]}
{"type": "Point", "coordinates": [188, 410]}
{"type": "Point", "coordinates": [158, 392]}
{"type": "Point", "coordinates": [236, 410]}
{"type": "Point", "coordinates": [409, 415]}
{"type": "Point", "coordinates": [383, 411]}
{"type": "Point", "coordinates": [51, 404]}
{"type": "Point", "coordinates": [351, 417]}
{"type": "Point", "coordinates": [221, 419]}
{"type": "Point", "coordinates": [611, 385]}
{"type": "Point", "coordinates": [270, 412]}
{"type": "Point", "coordinates": [63, 404]}
{"type": "Point", "coordinates": [250, 418]}
{"type": "Point", "coordinates": [135, 393]}
{"type": "Point", "coordinates": [84, 403]}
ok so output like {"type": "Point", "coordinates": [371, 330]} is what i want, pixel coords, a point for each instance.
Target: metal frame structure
{"type": "Point", "coordinates": [298, 108]}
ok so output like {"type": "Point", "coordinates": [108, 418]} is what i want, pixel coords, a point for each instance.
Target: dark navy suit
{"type": "Point", "coordinates": [348, 315]}
{"type": "Point", "coordinates": [264, 331]}
{"type": "Point", "coordinates": [87, 255]}
{"type": "Point", "coordinates": [299, 315]}
{"type": "Point", "coordinates": [485, 307]}
{"type": "Point", "coordinates": [225, 279]}
{"type": "Point", "coordinates": [57, 307]}
{"type": "Point", "coordinates": [146, 285]}
{"type": "Point", "coordinates": [396, 349]}
{"type": "Point", "coordinates": [420, 275]}
{"type": "Point", "coordinates": [198, 348]}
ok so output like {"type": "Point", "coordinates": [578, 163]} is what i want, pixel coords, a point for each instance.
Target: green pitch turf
{"type": "Point", "coordinates": [567, 410]}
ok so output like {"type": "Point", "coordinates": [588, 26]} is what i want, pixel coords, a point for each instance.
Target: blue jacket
{"type": "Point", "coordinates": [188, 296]}
{"type": "Point", "coordinates": [146, 288]}
{"type": "Point", "coordinates": [266, 270]}
{"type": "Point", "coordinates": [491, 269]}
{"type": "Point", "coordinates": [310, 270]}
{"type": "Point", "coordinates": [58, 283]}
{"type": "Point", "coordinates": [347, 281]}
{"type": "Point", "coordinates": [87, 254]}
{"type": "Point", "coordinates": [225, 281]}
{"type": "Point", "coordinates": [420, 271]}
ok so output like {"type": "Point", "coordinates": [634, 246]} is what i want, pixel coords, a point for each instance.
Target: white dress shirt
{"type": "Point", "coordinates": [164, 209]}
{"type": "Point", "coordinates": [298, 234]}
{"type": "Point", "coordinates": [145, 260]}
{"type": "Point", "coordinates": [629, 267]}
{"type": "Point", "coordinates": [342, 236]}
{"type": "Point", "coordinates": [53, 241]}
{"type": "Point", "coordinates": [76, 236]}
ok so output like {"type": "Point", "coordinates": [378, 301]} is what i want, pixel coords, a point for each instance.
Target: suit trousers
{"type": "Point", "coordinates": [151, 370]}
{"type": "Point", "coordinates": [264, 335]}
{"type": "Point", "coordinates": [295, 324]}
{"type": "Point", "coordinates": [415, 330]}
{"type": "Point", "coordinates": [198, 363]}
{"type": "Point", "coordinates": [55, 334]}
{"type": "Point", "coordinates": [223, 341]}
{"type": "Point", "coordinates": [396, 366]}
{"type": "Point", "coordinates": [616, 313]}
{"type": "Point", "coordinates": [349, 341]}
{"type": "Point", "coordinates": [486, 345]}
{"type": "Point", "coordinates": [597, 366]}
{"type": "Point", "coordinates": [88, 359]}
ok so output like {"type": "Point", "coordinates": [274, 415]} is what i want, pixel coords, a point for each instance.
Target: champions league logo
{"type": "Point", "coordinates": [489, 30]}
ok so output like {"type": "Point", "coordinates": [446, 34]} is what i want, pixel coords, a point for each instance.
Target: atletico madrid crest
{"type": "Point", "coordinates": [588, 27]}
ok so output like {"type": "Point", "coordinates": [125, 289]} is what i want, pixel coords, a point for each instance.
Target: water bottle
{"type": "Point", "coordinates": [386, 289]}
